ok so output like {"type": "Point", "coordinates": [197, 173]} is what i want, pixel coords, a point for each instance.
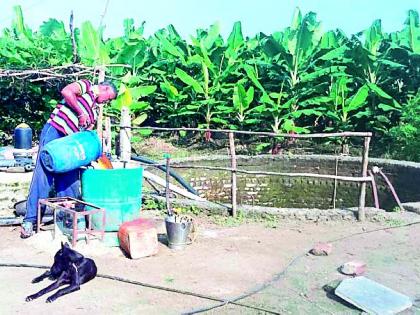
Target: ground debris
{"type": "Point", "coordinates": [321, 249]}
{"type": "Point", "coordinates": [353, 268]}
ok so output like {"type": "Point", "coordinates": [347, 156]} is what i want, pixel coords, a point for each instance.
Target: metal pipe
{"type": "Point", "coordinates": [374, 190]}
{"type": "Point", "coordinates": [394, 193]}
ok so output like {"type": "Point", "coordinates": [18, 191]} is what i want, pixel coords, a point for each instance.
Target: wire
{"type": "Point", "coordinates": [224, 302]}
{"type": "Point", "coordinates": [279, 275]}
{"type": "Point", "coordinates": [147, 285]}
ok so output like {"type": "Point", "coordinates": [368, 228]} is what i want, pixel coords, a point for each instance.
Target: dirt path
{"type": "Point", "coordinates": [224, 262]}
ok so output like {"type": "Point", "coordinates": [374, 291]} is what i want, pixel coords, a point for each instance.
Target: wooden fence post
{"type": "Point", "coordinates": [362, 196]}
{"type": "Point", "coordinates": [125, 135]}
{"type": "Point", "coordinates": [107, 146]}
{"type": "Point", "coordinates": [233, 172]}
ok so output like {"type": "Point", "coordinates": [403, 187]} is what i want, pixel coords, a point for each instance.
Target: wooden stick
{"type": "Point", "coordinates": [103, 14]}
{"type": "Point", "coordinates": [108, 136]}
{"type": "Point", "coordinates": [125, 135]}
{"type": "Point", "coordinates": [362, 196]}
{"type": "Point", "coordinates": [335, 182]}
{"type": "Point", "coordinates": [101, 74]}
{"type": "Point", "coordinates": [325, 176]}
{"type": "Point", "coordinates": [99, 126]}
{"type": "Point", "coordinates": [270, 134]}
{"type": "Point", "coordinates": [391, 187]}
{"type": "Point", "coordinates": [73, 40]}
{"type": "Point", "coordinates": [233, 172]}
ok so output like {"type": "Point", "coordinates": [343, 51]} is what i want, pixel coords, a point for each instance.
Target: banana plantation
{"type": "Point", "coordinates": [301, 79]}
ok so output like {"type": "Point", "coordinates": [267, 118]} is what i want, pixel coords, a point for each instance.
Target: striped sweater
{"type": "Point", "coordinates": [65, 119]}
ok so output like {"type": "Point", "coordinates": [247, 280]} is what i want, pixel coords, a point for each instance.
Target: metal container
{"type": "Point", "coordinates": [178, 232]}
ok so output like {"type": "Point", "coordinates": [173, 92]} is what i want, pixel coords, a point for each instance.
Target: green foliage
{"type": "Point", "coordinates": [403, 140]}
{"type": "Point", "coordinates": [295, 80]}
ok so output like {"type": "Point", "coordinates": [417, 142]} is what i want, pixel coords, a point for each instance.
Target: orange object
{"type": "Point", "coordinates": [138, 238]}
{"type": "Point", "coordinates": [104, 162]}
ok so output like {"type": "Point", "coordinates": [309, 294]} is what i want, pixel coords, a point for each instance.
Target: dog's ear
{"type": "Point", "coordinates": [62, 245]}
{"type": "Point", "coordinates": [74, 256]}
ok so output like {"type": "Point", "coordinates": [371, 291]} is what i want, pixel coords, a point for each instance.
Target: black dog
{"type": "Point", "coordinates": [70, 267]}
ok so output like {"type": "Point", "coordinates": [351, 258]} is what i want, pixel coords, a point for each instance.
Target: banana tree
{"type": "Point", "coordinates": [132, 97]}
{"type": "Point", "coordinates": [301, 62]}
{"type": "Point", "coordinates": [373, 65]}
{"type": "Point", "coordinates": [91, 46]}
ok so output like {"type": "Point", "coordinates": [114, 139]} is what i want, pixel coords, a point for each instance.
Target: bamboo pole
{"type": "Point", "coordinates": [233, 172]}
{"type": "Point", "coordinates": [73, 39]}
{"type": "Point", "coordinates": [229, 169]}
{"type": "Point", "coordinates": [125, 135]}
{"type": "Point", "coordinates": [269, 134]}
{"type": "Point", "coordinates": [313, 175]}
{"type": "Point", "coordinates": [107, 147]}
{"type": "Point", "coordinates": [99, 125]}
{"type": "Point", "coordinates": [335, 182]}
{"type": "Point", "coordinates": [362, 196]}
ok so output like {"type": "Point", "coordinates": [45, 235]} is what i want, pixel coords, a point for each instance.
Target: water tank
{"type": "Point", "coordinates": [118, 191]}
{"type": "Point", "coordinates": [71, 152]}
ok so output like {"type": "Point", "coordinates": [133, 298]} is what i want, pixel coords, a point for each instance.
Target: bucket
{"type": "Point", "coordinates": [71, 152]}
{"type": "Point", "coordinates": [22, 137]}
{"type": "Point", "coordinates": [178, 231]}
{"type": "Point", "coordinates": [118, 191]}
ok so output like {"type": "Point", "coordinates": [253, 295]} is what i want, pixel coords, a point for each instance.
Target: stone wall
{"type": "Point", "coordinates": [13, 188]}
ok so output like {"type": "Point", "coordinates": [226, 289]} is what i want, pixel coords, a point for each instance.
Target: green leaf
{"type": "Point", "coordinates": [253, 77]}
{"type": "Point", "coordinates": [91, 46]}
{"type": "Point", "coordinates": [212, 35]}
{"type": "Point", "coordinates": [189, 80]}
{"type": "Point", "coordinates": [142, 91]}
{"type": "Point", "coordinates": [379, 91]}
{"type": "Point", "coordinates": [358, 100]}
{"type": "Point", "coordinates": [387, 108]}
{"type": "Point", "coordinates": [236, 39]}
{"type": "Point", "coordinates": [145, 132]}
{"type": "Point", "coordinates": [18, 23]}
{"type": "Point", "coordinates": [139, 106]}
{"type": "Point", "coordinates": [140, 119]}
{"type": "Point", "coordinates": [133, 53]}
{"type": "Point", "coordinates": [322, 72]}
{"type": "Point", "coordinates": [337, 53]}
{"type": "Point", "coordinates": [383, 119]}
{"type": "Point", "coordinates": [172, 49]}
{"type": "Point", "coordinates": [53, 29]}
{"type": "Point", "coordinates": [170, 90]}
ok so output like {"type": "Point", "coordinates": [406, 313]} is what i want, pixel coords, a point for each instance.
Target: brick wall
{"type": "Point", "coordinates": [276, 191]}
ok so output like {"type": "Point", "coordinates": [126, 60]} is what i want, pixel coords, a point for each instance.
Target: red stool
{"type": "Point", "coordinates": [71, 206]}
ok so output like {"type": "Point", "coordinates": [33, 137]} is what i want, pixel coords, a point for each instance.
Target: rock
{"type": "Point", "coordinates": [353, 268]}
{"type": "Point", "coordinates": [321, 249]}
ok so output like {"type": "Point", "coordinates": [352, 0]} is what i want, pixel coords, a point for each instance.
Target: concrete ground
{"type": "Point", "coordinates": [224, 262]}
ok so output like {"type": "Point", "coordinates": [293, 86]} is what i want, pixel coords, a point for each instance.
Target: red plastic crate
{"type": "Point", "coordinates": [138, 238]}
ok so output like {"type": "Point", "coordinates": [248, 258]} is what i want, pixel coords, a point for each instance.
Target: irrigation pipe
{"type": "Point", "coordinates": [233, 301]}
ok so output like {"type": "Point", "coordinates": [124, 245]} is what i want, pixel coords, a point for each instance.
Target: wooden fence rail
{"type": "Point", "coordinates": [363, 179]}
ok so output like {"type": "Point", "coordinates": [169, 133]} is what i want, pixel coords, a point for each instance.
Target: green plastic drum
{"type": "Point", "coordinates": [118, 191]}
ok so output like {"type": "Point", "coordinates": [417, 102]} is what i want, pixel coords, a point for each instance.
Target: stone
{"type": "Point", "coordinates": [353, 268]}
{"type": "Point", "coordinates": [321, 249]}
